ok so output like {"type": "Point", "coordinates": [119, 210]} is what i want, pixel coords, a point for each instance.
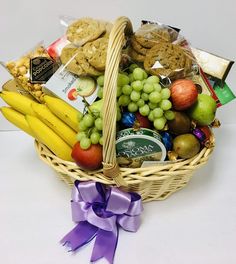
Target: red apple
{"type": "Point", "coordinates": [89, 159]}
{"type": "Point", "coordinates": [183, 94]}
{"type": "Point", "coordinates": [143, 121]}
{"type": "Point", "coordinates": [72, 95]}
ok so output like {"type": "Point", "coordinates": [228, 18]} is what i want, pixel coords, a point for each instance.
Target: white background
{"type": "Point", "coordinates": [195, 225]}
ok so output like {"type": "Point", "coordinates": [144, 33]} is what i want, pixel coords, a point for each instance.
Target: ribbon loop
{"type": "Point", "coordinates": [118, 201]}
{"type": "Point", "coordinates": [98, 213]}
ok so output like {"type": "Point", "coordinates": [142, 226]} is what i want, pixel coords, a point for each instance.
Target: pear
{"type": "Point", "coordinates": [181, 124]}
{"type": "Point", "coordinates": [186, 146]}
{"type": "Point", "coordinates": [203, 111]}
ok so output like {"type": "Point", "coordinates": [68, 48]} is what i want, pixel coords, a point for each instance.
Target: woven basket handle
{"type": "Point", "coordinates": [122, 27]}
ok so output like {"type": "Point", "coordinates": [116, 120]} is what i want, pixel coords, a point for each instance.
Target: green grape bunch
{"type": "Point", "coordinates": [137, 92]}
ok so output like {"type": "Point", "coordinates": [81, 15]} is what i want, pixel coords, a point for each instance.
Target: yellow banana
{"type": "Point", "coordinates": [18, 101]}
{"type": "Point", "coordinates": [49, 138]}
{"type": "Point", "coordinates": [56, 124]}
{"type": "Point", "coordinates": [64, 111]}
{"type": "Point", "coordinates": [16, 119]}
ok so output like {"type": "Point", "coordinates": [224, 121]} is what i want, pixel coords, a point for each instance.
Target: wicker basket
{"type": "Point", "coordinates": [152, 183]}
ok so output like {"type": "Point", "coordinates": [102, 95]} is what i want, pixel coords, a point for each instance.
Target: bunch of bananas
{"type": "Point", "coordinates": [54, 123]}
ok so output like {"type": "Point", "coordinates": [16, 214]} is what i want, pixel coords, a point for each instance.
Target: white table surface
{"type": "Point", "coordinates": [195, 225]}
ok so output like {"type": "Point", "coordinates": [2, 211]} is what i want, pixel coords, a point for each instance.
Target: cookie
{"type": "Point", "coordinates": [96, 53]}
{"type": "Point", "coordinates": [150, 34]}
{"type": "Point", "coordinates": [137, 47]}
{"type": "Point", "coordinates": [68, 59]}
{"type": "Point", "coordinates": [135, 55]}
{"type": "Point", "coordinates": [87, 67]}
{"type": "Point", "coordinates": [108, 28]}
{"type": "Point", "coordinates": [84, 30]}
{"type": "Point", "coordinates": [169, 60]}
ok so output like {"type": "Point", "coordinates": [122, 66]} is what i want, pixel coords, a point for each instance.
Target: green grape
{"type": "Point", "coordinates": [82, 126]}
{"type": "Point", "coordinates": [100, 92]}
{"type": "Point", "coordinates": [138, 74]}
{"type": "Point", "coordinates": [98, 123]}
{"type": "Point", "coordinates": [88, 120]}
{"type": "Point", "coordinates": [85, 143]}
{"type": "Point", "coordinates": [127, 89]}
{"type": "Point", "coordinates": [100, 80]}
{"type": "Point", "coordinates": [148, 88]}
{"type": "Point", "coordinates": [152, 105]}
{"type": "Point", "coordinates": [157, 87]}
{"type": "Point", "coordinates": [145, 75]}
{"type": "Point", "coordinates": [144, 81]}
{"type": "Point", "coordinates": [165, 104]}
{"type": "Point", "coordinates": [157, 112]}
{"type": "Point", "coordinates": [131, 77]}
{"type": "Point", "coordinates": [80, 135]}
{"type": "Point", "coordinates": [153, 79]}
{"type": "Point", "coordinates": [145, 96]}
{"type": "Point", "coordinates": [101, 141]}
{"type": "Point", "coordinates": [140, 102]}
{"type": "Point", "coordinates": [95, 137]}
{"type": "Point", "coordinates": [80, 116]}
{"type": "Point", "coordinates": [94, 129]}
{"type": "Point", "coordinates": [150, 116]}
{"type": "Point", "coordinates": [119, 91]}
{"type": "Point", "coordinates": [132, 107]}
{"type": "Point", "coordinates": [165, 93]}
{"type": "Point", "coordinates": [169, 115]}
{"type": "Point", "coordinates": [122, 79]}
{"type": "Point", "coordinates": [154, 97]}
{"type": "Point", "coordinates": [132, 67]}
{"type": "Point", "coordinates": [137, 86]}
{"type": "Point", "coordinates": [125, 73]}
{"type": "Point", "coordinates": [144, 110]}
{"type": "Point", "coordinates": [135, 96]}
{"type": "Point", "coordinates": [118, 115]}
{"type": "Point", "coordinates": [159, 123]}
{"type": "Point", "coordinates": [123, 100]}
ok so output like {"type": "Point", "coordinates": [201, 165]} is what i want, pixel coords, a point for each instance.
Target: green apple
{"type": "Point", "coordinates": [203, 111]}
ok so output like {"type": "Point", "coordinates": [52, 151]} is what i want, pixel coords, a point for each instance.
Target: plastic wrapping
{"type": "Point", "coordinates": [162, 51]}
{"type": "Point", "coordinates": [83, 47]}
{"type": "Point", "coordinates": [32, 70]}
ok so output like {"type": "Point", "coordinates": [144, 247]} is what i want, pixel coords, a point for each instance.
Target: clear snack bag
{"type": "Point", "coordinates": [32, 70]}
{"type": "Point", "coordinates": [162, 51]}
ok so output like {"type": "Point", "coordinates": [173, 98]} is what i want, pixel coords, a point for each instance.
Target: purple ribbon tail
{"type": "Point", "coordinates": [83, 233]}
{"type": "Point", "coordinates": [105, 245]}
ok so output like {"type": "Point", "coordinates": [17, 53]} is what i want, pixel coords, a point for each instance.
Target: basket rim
{"type": "Point", "coordinates": [194, 161]}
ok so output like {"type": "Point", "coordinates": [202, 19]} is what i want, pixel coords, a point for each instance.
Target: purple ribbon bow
{"type": "Point", "coordinates": [99, 212]}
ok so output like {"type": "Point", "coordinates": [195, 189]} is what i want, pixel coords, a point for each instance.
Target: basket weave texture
{"type": "Point", "coordinates": [152, 183]}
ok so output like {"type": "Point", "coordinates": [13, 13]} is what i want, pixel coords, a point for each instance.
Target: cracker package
{"type": "Point", "coordinates": [31, 70]}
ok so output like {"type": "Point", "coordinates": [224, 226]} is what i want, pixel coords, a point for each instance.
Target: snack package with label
{"type": "Point", "coordinates": [161, 51]}
{"type": "Point", "coordinates": [214, 66]}
{"type": "Point", "coordinates": [32, 70]}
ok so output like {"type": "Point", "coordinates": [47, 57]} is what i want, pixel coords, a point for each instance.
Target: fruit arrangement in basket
{"type": "Point", "coordinates": [132, 109]}
{"type": "Point", "coordinates": [144, 91]}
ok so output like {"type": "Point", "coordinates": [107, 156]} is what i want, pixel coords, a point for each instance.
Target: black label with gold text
{"type": "Point", "coordinates": [41, 69]}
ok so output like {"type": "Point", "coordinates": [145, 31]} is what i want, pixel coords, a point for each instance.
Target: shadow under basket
{"type": "Point", "coordinates": [152, 183]}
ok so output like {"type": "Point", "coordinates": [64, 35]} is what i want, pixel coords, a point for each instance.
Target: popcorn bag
{"type": "Point", "coordinates": [122, 116]}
